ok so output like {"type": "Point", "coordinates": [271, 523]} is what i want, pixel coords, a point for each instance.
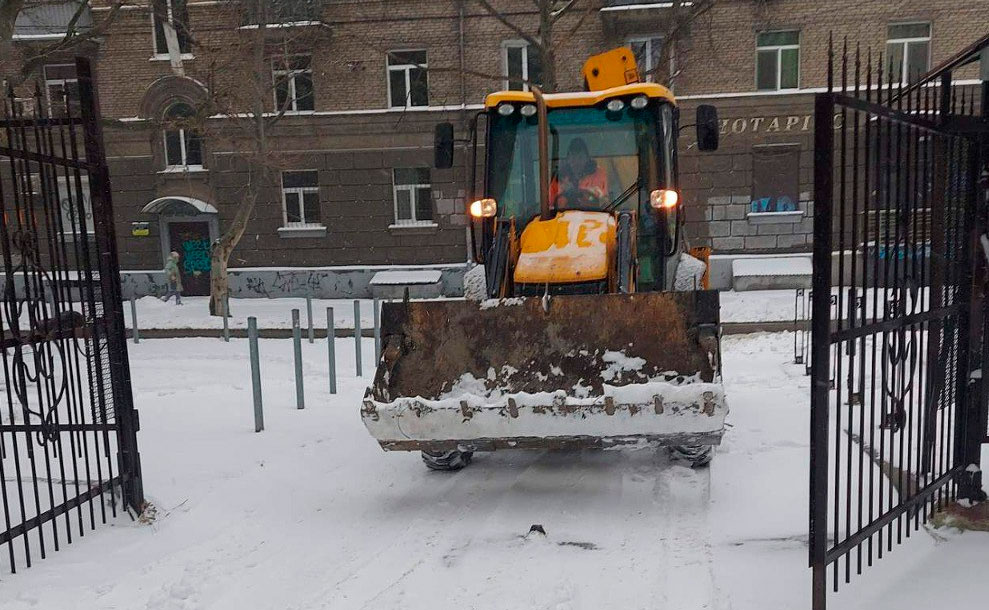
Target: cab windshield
{"type": "Point", "coordinates": [599, 159]}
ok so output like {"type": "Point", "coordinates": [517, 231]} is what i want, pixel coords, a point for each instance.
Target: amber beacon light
{"type": "Point", "coordinates": [483, 208]}
{"type": "Point", "coordinates": [664, 199]}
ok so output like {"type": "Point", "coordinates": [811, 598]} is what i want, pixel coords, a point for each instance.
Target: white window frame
{"type": "Point", "coordinates": [289, 74]}
{"type": "Point", "coordinates": [66, 186]}
{"type": "Point", "coordinates": [184, 166]}
{"type": "Point", "coordinates": [407, 68]}
{"type": "Point", "coordinates": [779, 59]}
{"type": "Point", "coordinates": [905, 42]}
{"type": "Point", "coordinates": [649, 41]}
{"type": "Point", "coordinates": [517, 43]}
{"type": "Point", "coordinates": [413, 201]}
{"type": "Point", "coordinates": [301, 192]}
{"type": "Point", "coordinates": [155, 55]}
{"type": "Point", "coordinates": [56, 81]}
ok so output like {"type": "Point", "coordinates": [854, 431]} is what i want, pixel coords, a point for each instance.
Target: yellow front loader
{"type": "Point", "coordinates": [593, 328]}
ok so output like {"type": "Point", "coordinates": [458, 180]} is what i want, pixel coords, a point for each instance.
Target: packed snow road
{"type": "Point", "coordinates": [311, 514]}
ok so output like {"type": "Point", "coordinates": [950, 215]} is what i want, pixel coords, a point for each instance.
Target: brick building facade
{"type": "Point", "coordinates": [363, 82]}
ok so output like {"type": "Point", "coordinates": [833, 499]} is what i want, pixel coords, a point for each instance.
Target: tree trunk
{"type": "Point", "coordinates": [9, 9]}
{"type": "Point", "coordinates": [219, 284]}
{"type": "Point", "coordinates": [546, 46]}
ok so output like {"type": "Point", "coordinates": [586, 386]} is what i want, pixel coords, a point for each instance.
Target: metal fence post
{"type": "Point", "coordinates": [300, 399]}
{"type": "Point", "coordinates": [377, 330]}
{"type": "Point", "coordinates": [226, 318]}
{"type": "Point", "coordinates": [357, 336]}
{"type": "Point", "coordinates": [331, 350]}
{"type": "Point", "coordinates": [252, 338]}
{"type": "Point", "coordinates": [312, 337]}
{"type": "Point", "coordinates": [133, 316]}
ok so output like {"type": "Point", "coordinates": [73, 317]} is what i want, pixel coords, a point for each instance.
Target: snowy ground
{"type": "Point", "coordinates": [311, 514]}
{"type": "Point", "coordinates": [754, 306]}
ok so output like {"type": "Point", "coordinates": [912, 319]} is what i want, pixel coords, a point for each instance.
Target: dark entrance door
{"type": "Point", "coordinates": [191, 241]}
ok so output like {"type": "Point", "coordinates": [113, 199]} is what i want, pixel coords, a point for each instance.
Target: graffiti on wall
{"type": "Point", "coordinates": [195, 256]}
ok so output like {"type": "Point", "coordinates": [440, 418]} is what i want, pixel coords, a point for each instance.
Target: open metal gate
{"type": "Point", "coordinates": [897, 407]}
{"type": "Point", "coordinates": [68, 448]}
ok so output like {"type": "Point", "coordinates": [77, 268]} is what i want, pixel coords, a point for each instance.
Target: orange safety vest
{"type": "Point", "coordinates": [595, 183]}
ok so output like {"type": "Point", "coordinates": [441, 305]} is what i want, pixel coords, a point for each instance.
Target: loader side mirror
{"type": "Point", "coordinates": [707, 127]}
{"type": "Point", "coordinates": [443, 146]}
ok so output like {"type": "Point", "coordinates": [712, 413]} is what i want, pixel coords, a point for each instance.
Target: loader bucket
{"type": "Point", "coordinates": [565, 371]}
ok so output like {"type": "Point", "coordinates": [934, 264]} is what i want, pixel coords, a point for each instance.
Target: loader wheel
{"type": "Point", "coordinates": [697, 455]}
{"type": "Point", "coordinates": [447, 460]}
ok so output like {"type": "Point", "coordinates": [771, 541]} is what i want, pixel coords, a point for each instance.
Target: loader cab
{"type": "Point", "coordinates": [629, 134]}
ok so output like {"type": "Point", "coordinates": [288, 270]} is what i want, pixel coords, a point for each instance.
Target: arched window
{"type": "Point", "coordinates": [183, 145]}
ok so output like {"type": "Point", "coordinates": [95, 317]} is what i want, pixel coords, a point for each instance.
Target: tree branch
{"type": "Point", "coordinates": [557, 13]}
{"type": "Point", "coordinates": [504, 20]}
{"type": "Point", "coordinates": [71, 38]}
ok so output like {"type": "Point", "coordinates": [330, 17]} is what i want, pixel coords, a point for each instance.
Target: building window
{"type": "Point", "coordinates": [292, 76]}
{"type": "Point", "coordinates": [407, 82]}
{"type": "Point", "coordinates": [183, 145]}
{"type": "Point", "coordinates": [775, 178]}
{"type": "Point", "coordinates": [522, 65]}
{"type": "Point", "coordinates": [70, 196]}
{"type": "Point", "coordinates": [648, 53]}
{"type": "Point", "coordinates": [175, 13]}
{"type": "Point", "coordinates": [908, 49]}
{"type": "Point", "coordinates": [300, 198]}
{"type": "Point", "coordinates": [413, 196]}
{"type": "Point", "coordinates": [61, 87]}
{"type": "Point", "coordinates": [777, 61]}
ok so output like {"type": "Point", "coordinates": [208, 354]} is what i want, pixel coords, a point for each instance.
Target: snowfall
{"type": "Point", "coordinates": [312, 514]}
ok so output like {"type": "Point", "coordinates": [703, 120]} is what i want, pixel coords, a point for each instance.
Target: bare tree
{"type": "Point", "coordinates": [255, 79]}
{"type": "Point", "coordinates": [547, 41]}
{"type": "Point", "coordinates": [76, 31]}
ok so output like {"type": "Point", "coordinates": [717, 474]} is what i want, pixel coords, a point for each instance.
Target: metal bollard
{"type": "Point", "coordinates": [226, 318]}
{"type": "Point", "coordinates": [357, 336]}
{"type": "Point", "coordinates": [252, 338]}
{"type": "Point", "coordinates": [312, 337]}
{"type": "Point", "coordinates": [133, 316]}
{"type": "Point", "coordinates": [377, 330]}
{"type": "Point", "coordinates": [300, 400]}
{"type": "Point", "coordinates": [331, 349]}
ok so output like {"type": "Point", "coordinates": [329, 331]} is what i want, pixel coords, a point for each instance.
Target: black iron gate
{"type": "Point", "coordinates": [68, 449]}
{"type": "Point", "coordinates": [897, 408]}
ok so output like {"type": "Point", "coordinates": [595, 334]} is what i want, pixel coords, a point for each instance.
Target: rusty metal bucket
{"type": "Point", "coordinates": [567, 371]}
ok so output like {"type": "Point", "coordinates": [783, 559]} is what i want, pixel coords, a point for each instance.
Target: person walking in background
{"type": "Point", "coordinates": [173, 279]}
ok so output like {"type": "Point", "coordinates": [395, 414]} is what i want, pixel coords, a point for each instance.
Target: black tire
{"type": "Point", "coordinates": [698, 455]}
{"type": "Point", "coordinates": [625, 263]}
{"type": "Point", "coordinates": [447, 460]}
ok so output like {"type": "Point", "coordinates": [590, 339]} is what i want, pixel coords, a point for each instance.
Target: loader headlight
{"type": "Point", "coordinates": [505, 109]}
{"type": "Point", "coordinates": [528, 110]}
{"type": "Point", "coordinates": [483, 208]}
{"type": "Point", "coordinates": [639, 102]}
{"type": "Point", "coordinates": [615, 105]}
{"type": "Point", "coordinates": [664, 199]}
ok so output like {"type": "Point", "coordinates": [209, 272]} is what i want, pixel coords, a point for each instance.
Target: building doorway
{"type": "Point", "coordinates": [187, 226]}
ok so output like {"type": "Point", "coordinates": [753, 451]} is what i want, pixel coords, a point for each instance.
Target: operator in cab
{"type": "Point", "coordinates": [580, 181]}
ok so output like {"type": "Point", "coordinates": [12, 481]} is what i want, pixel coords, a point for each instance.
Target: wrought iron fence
{"type": "Point", "coordinates": [894, 341]}
{"type": "Point", "coordinates": [68, 450]}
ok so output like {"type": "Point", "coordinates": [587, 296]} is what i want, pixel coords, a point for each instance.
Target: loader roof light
{"type": "Point", "coordinates": [664, 199]}
{"type": "Point", "coordinates": [483, 208]}
{"type": "Point", "coordinates": [505, 109]}
{"type": "Point", "coordinates": [528, 110]}
{"type": "Point", "coordinates": [639, 102]}
{"type": "Point", "coordinates": [615, 105]}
